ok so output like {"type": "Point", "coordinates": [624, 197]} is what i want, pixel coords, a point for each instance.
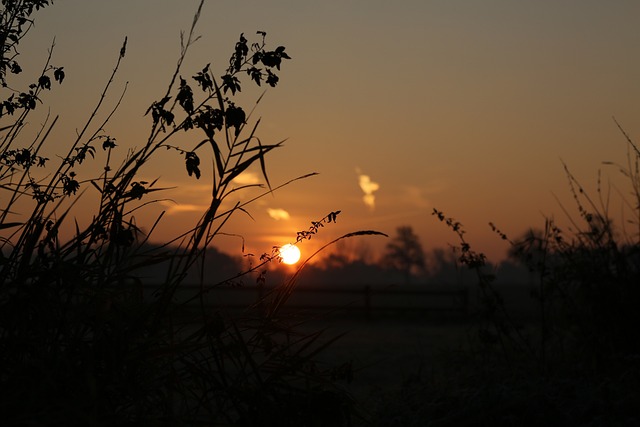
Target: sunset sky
{"type": "Point", "coordinates": [465, 106]}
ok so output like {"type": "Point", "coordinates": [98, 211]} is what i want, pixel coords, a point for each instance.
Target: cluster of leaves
{"type": "Point", "coordinates": [315, 226]}
{"type": "Point", "coordinates": [15, 22]}
{"type": "Point", "coordinates": [226, 114]}
{"type": "Point", "coordinates": [17, 161]}
{"type": "Point", "coordinates": [28, 100]}
{"type": "Point", "coordinates": [23, 157]}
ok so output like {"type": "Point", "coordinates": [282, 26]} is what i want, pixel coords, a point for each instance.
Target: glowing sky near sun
{"type": "Point", "coordinates": [466, 106]}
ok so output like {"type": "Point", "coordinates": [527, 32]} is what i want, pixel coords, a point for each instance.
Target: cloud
{"type": "Point", "coordinates": [278, 214]}
{"type": "Point", "coordinates": [247, 178]}
{"type": "Point", "coordinates": [415, 196]}
{"type": "Point", "coordinates": [368, 187]}
{"type": "Point", "coordinates": [174, 208]}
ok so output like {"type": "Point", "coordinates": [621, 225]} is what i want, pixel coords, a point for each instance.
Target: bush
{"type": "Point", "coordinates": [578, 361]}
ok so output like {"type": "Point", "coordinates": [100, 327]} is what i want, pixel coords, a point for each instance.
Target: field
{"type": "Point", "coordinates": [99, 326]}
{"type": "Point", "coordinates": [406, 338]}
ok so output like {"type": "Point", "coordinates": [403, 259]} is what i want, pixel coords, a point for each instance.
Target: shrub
{"type": "Point", "coordinates": [576, 363]}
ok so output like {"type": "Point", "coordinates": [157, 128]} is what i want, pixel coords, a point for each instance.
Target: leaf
{"type": "Point", "coordinates": [244, 165]}
{"type": "Point", "coordinates": [96, 186]}
{"type": "Point", "coordinates": [272, 79]}
{"type": "Point", "coordinates": [203, 79]}
{"type": "Point", "coordinates": [15, 68]}
{"type": "Point", "coordinates": [263, 167]}
{"type": "Point", "coordinates": [235, 117]}
{"type": "Point", "coordinates": [218, 156]}
{"type": "Point", "coordinates": [58, 74]}
{"type": "Point", "coordinates": [44, 82]}
{"type": "Point", "coordinates": [123, 49]}
{"type": "Point", "coordinates": [231, 83]}
{"type": "Point", "coordinates": [241, 51]}
{"type": "Point", "coordinates": [9, 225]}
{"type": "Point", "coordinates": [256, 74]}
{"type": "Point", "coordinates": [185, 96]}
{"type": "Point", "coordinates": [108, 143]}
{"type": "Point", "coordinates": [192, 161]}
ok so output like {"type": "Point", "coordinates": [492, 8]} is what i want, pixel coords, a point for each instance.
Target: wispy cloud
{"type": "Point", "coordinates": [414, 196]}
{"type": "Point", "coordinates": [278, 214]}
{"type": "Point", "coordinates": [368, 187]}
{"type": "Point", "coordinates": [247, 178]}
{"type": "Point", "coordinates": [174, 208]}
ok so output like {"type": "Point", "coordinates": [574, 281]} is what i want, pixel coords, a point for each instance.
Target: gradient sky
{"type": "Point", "coordinates": [466, 106]}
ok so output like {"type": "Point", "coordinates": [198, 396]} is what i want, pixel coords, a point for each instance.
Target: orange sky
{"type": "Point", "coordinates": [465, 106]}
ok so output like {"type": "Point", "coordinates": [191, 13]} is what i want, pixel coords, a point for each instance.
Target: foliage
{"type": "Point", "coordinates": [83, 338]}
{"type": "Point", "coordinates": [574, 362]}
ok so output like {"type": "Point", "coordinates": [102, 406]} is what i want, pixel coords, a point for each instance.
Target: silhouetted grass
{"type": "Point", "coordinates": [577, 362]}
{"type": "Point", "coordinates": [81, 342]}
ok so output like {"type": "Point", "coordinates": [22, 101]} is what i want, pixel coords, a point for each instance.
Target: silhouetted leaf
{"type": "Point", "coordinates": [69, 185]}
{"type": "Point", "coordinates": [256, 75]}
{"type": "Point", "coordinates": [108, 143]}
{"type": "Point", "coordinates": [137, 190]}
{"type": "Point", "coordinates": [238, 169]}
{"type": "Point", "coordinates": [27, 100]}
{"type": "Point", "coordinates": [209, 120]}
{"type": "Point", "coordinates": [82, 153]}
{"type": "Point", "coordinates": [272, 79]}
{"type": "Point", "coordinates": [241, 52]}
{"type": "Point", "coordinates": [235, 117]}
{"type": "Point", "coordinates": [263, 166]}
{"type": "Point", "coordinates": [15, 68]}
{"type": "Point", "coordinates": [203, 79]}
{"type": "Point", "coordinates": [58, 74]}
{"type": "Point", "coordinates": [218, 156]}
{"type": "Point", "coordinates": [44, 82]}
{"type": "Point", "coordinates": [232, 83]}
{"type": "Point", "coordinates": [192, 162]}
{"type": "Point", "coordinates": [280, 51]}
{"type": "Point", "coordinates": [185, 96]}
{"type": "Point", "coordinates": [274, 58]}
{"type": "Point", "coordinates": [159, 113]}
{"type": "Point", "coordinates": [6, 225]}
{"type": "Point", "coordinates": [123, 49]}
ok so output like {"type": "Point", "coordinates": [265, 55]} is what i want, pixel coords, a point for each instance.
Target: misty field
{"type": "Point", "coordinates": [101, 325]}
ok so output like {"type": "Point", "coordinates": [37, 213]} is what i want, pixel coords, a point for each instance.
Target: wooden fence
{"type": "Point", "coordinates": [363, 301]}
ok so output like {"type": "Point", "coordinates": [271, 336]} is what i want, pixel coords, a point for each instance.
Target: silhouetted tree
{"type": "Point", "coordinates": [405, 252]}
{"type": "Point", "coordinates": [345, 253]}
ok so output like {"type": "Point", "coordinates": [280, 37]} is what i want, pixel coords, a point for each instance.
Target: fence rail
{"type": "Point", "coordinates": [364, 300]}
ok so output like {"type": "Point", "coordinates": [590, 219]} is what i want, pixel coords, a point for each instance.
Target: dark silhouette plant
{"type": "Point", "coordinates": [572, 363]}
{"type": "Point", "coordinates": [83, 339]}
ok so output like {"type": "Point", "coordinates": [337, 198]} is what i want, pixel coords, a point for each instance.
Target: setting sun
{"type": "Point", "coordinates": [290, 254]}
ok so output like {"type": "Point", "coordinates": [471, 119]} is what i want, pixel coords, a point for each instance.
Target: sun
{"type": "Point", "coordinates": [290, 254]}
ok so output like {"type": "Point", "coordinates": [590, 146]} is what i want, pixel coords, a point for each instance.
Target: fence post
{"type": "Point", "coordinates": [465, 301]}
{"type": "Point", "coordinates": [367, 302]}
